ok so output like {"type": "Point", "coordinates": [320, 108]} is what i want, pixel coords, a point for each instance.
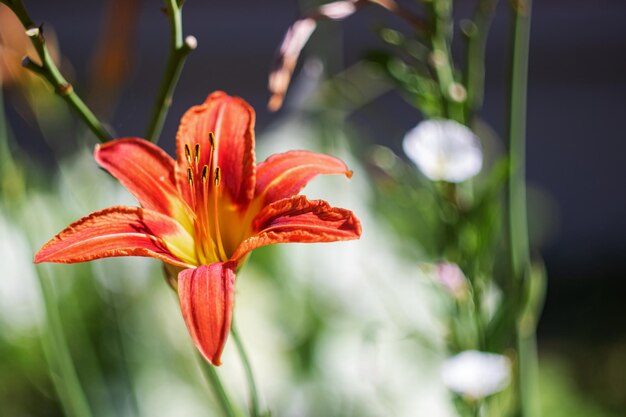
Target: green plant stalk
{"type": "Point", "coordinates": [441, 12]}
{"type": "Point", "coordinates": [11, 180]}
{"type": "Point", "coordinates": [62, 370]}
{"type": "Point", "coordinates": [528, 364]}
{"type": "Point", "coordinates": [92, 375]}
{"type": "Point", "coordinates": [214, 381]}
{"type": "Point", "coordinates": [179, 49]}
{"type": "Point", "coordinates": [51, 73]}
{"type": "Point", "coordinates": [254, 397]}
{"type": "Point", "coordinates": [121, 349]}
{"type": "Point", "coordinates": [475, 61]}
{"type": "Point", "coordinates": [516, 219]}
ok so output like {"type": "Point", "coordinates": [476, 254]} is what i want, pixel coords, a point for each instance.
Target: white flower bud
{"type": "Point", "coordinates": [475, 374]}
{"type": "Point", "coordinates": [444, 150]}
{"type": "Point", "coordinates": [451, 277]}
{"type": "Point", "coordinates": [191, 42]}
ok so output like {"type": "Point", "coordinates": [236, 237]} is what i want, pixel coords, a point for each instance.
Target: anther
{"type": "Point", "coordinates": [196, 153]}
{"type": "Point", "coordinates": [190, 176]}
{"type": "Point", "coordinates": [217, 176]}
{"type": "Point", "coordinates": [205, 173]}
{"type": "Point", "coordinates": [188, 154]}
{"type": "Point", "coordinates": [212, 139]}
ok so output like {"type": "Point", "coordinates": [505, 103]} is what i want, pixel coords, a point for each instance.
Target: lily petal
{"type": "Point", "coordinates": [206, 298]}
{"type": "Point", "coordinates": [232, 120]}
{"type": "Point", "coordinates": [120, 231]}
{"type": "Point", "coordinates": [285, 174]}
{"type": "Point", "coordinates": [145, 170]}
{"type": "Point", "coordinates": [299, 220]}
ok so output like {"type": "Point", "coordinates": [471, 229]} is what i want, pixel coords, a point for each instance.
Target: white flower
{"type": "Point", "coordinates": [444, 150]}
{"type": "Point", "coordinates": [475, 374]}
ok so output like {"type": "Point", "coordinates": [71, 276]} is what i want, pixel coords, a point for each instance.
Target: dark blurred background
{"type": "Point", "coordinates": [576, 144]}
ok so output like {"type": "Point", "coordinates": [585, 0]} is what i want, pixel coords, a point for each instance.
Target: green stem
{"type": "Point", "coordinates": [516, 221]}
{"type": "Point", "coordinates": [254, 397]}
{"type": "Point", "coordinates": [179, 49]}
{"type": "Point", "coordinates": [51, 73]}
{"type": "Point", "coordinates": [475, 65]}
{"type": "Point", "coordinates": [218, 389]}
{"type": "Point", "coordinates": [528, 370]}
{"type": "Point", "coordinates": [517, 217]}
{"type": "Point", "coordinates": [11, 180]}
{"type": "Point", "coordinates": [441, 12]}
{"type": "Point", "coordinates": [118, 337]}
{"type": "Point", "coordinates": [62, 370]}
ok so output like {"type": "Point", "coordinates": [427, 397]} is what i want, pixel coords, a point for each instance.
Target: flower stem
{"type": "Point", "coordinates": [254, 397]}
{"type": "Point", "coordinates": [62, 370]}
{"type": "Point", "coordinates": [518, 237]}
{"type": "Point", "coordinates": [441, 58]}
{"type": "Point", "coordinates": [48, 70]}
{"type": "Point", "coordinates": [516, 220]}
{"type": "Point", "coordinates": [118, 340]}
{"type": "Point", "coordinates": [179, 49]}
{"type": "Point", "coordinates": [214, 381]}
{"type": "Point", "coordinates": [475, 63]}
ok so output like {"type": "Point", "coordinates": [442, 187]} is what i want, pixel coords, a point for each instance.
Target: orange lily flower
{"type": "Point", "coordinates": [203, 213]}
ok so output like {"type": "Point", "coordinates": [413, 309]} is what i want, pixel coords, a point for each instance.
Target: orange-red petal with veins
{"type": "Point", "coordinates": [284, 175]}
{"type": "Point", "coordinates": [144, 169]}
{"type": "Point", "coordinates": [206, 298]}
{"type": "Point", "coordinates": [299, 220]}
{"type": "Point", "coordinates": [116, 231]}
{"type": "Point", "coordinates": [232, 120]}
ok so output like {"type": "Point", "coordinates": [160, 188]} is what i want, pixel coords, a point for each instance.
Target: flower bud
{"type": "Point", "coordinates": [476, 375]}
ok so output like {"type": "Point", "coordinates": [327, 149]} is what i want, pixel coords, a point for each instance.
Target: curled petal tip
{"type": "Point", "coordinates": [38, 258]}
{"type": "Point", "coordinates": [275, 102]}
{"type": "Point", "coordinates": [349, 173]}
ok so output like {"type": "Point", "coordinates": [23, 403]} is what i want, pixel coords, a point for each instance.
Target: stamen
{"type": "Point", "coordinates": [217, 176]}
{"type": "Point", "coordinates": [190, 176]}
{"type": "Point", "coordinates": [188, 154]}
{"type": "Point", "coordinates": [196, 154]}
{"type": "Point", "coordinates": [210, 247]}
{"type": "Point", "coordinates": [212, 139]}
